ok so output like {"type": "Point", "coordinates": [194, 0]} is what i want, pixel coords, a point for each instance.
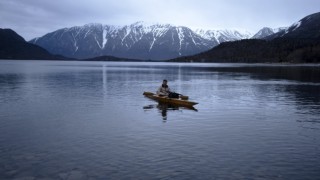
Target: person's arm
{"type": "Point", "coordinates": [159, 90]}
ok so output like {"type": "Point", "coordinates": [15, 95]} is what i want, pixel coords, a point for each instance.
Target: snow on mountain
{"type": "Point", "coordinates": [291, 28]}
{"type": "Point", "coordinates": [296, 25]}
{"type": "Point", "coordinates": [266, 31]}
{"type": "Point", "coordinates": [223, 35]}
{"type": "Point", "coordinates": [139, 40]}
{"type": "Point", "coordinates": [306, 28]}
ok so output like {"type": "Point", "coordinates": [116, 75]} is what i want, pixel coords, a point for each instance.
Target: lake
{"type": "Point", "coordinates": [89, 120]}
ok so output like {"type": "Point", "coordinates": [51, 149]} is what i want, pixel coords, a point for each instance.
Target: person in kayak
{"type": "Point", "coordinates": [164, 89]}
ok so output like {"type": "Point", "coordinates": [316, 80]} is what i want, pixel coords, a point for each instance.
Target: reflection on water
{"type": "Point", "coordinates": [165, 107]}
{"type": "Point", "coordinates": [89, 120]}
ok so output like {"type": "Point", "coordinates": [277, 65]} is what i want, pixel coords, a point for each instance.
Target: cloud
{"type": "Point", "coordinates": [34, 18]}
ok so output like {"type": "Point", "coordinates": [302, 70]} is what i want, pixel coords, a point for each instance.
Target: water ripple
{"type": "Point", "coordinates": [89, 120]}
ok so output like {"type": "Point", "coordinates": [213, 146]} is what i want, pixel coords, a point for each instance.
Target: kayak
{"type": "Point", "coordinates": [165, 99]}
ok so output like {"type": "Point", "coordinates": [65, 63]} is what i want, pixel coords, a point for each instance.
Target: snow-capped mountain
{"type": "Point", "coordinates": [223, 35]}
{"type": "Point", "coordinates": [266, 31]}
{"type": "Point", "coordinates": [138, 41]}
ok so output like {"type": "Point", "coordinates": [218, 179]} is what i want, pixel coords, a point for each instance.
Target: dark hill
{"type": "Point", "coordinates": [13, 46]}
{"type": "Point", "coordinates": [260, 51]}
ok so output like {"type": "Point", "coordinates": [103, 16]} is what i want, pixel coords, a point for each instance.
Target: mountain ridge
{"type": "Point", "coordinates": [139, 40]}
{"type": "Point", "coordinates": [307, 27]}
{"type": "Point", "coordinates": [267, 31]}
{"type": "Point", "coordinates": [299, 43]}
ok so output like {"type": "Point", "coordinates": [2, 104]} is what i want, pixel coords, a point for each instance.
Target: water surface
{"type": "Point", "coordinates": [82, 120]}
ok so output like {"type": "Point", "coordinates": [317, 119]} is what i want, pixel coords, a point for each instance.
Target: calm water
{"type": "Point", "coordinates": [89, 120]}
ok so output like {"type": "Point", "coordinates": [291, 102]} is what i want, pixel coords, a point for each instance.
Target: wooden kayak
{"type": "Point", "coordinates": [165, 99]}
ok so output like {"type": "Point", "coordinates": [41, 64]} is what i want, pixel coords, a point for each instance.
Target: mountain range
{"type": "Point", "coordinates": [140, 41]}
{"type": "Point", "coordinates": [136, 41]}
{"type": "Point", "coordinates": [299, 43]}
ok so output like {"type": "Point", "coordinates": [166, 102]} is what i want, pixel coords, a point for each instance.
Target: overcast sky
{"type": "Point", "coordinates": [34, 18]}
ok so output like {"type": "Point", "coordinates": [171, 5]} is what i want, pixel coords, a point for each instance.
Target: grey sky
{"type": "Point", "coordinates": [33, 18]}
